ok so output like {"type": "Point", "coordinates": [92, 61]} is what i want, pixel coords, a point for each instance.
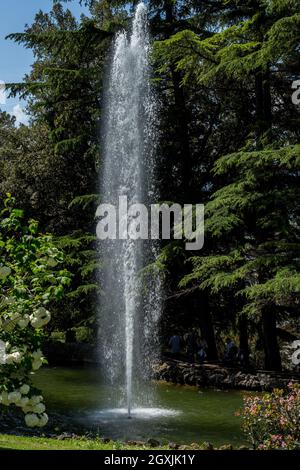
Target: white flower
{"type": "Point", "coordinates": [4, 272]}
{"type": "Point", "coordinates": [14, 397]}
{"type": "Point", "coordinates": [36, 322]}
{"type": "Point", "coordinates": [27, 408]}
{"type": "Point", "coordinates": [36, 365]}
{"type": "Point", "coordinates": [15, 357]}
{"type": "Point", "coordinates": [37, 354]}
{"type": "Point", "coordinates": [40, 317]}
{"type": "Point", "coordinates": [36, 399]}
{"type": "Point", "coordinates": [31, 420]}
{"type": "Point", "coordinates": [23, 403]}
{"type": "Point", "coordinates": [37, 359]}
{"type": "Point", "coordinates": [24, 389]}
{"type": "Point", "coordinates": [23, 322]}
{"type": "Point", "coordinates": [43, 420]}
{"type": "Point", "coordinates": [4, 398]}
{"type": "Point", "coordinates": [39, 408]}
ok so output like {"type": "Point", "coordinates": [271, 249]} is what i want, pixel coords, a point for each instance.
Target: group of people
{"type": "Point", "coordinates": [194, 348]}
{"type": "Point", "coordinates": [194, 345]}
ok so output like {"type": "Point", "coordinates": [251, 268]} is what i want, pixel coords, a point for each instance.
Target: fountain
{"type": "Point", "coordinates": [128, 314]}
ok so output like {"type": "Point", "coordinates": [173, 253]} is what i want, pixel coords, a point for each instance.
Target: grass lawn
{"type": "Point", "coordinates": [42, 443]}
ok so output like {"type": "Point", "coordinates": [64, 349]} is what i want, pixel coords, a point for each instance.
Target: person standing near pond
{"type": "Point", "coordinates": [175, 345]}
{"type": "Point", "coordinates": [202, 350]}
{"type": "Point", "coordinates": [231, 351]}
{"type": "Point", "coordinates": [191, 346]}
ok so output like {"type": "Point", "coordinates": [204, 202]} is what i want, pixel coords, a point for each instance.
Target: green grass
{"type": "Point", "coordinates": [10, 442]}
{"type": "Point", "coordinates": [42, 443]}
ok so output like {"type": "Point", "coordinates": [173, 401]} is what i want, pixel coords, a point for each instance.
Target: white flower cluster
{"type": "Point", "coordinates": [32, 420]}
{"type": "Point", "coordinates": [24, 321]}
{"type": "Point", "coordinates": [15, 356]}
{"type": "Point", "coordinates": [40, 317]}
{"type": "Point", "coordinates": [38, 359]}
{"type": "Point", "coordinates": [33, 407]}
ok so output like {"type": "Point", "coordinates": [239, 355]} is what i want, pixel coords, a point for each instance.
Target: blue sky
{"type": "Point", "coordinates": [15, 59]}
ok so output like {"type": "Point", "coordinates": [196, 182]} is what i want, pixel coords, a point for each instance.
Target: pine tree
{"type": "Point", "coordinates": [64, 94]}
{"type": "Point", "coordinates": [254, 227]}
{"type": "Point", "coordinates": [252, 220]}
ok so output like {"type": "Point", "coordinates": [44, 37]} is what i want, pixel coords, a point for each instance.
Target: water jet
{"type": "Point", "coordinates": [128, 316]}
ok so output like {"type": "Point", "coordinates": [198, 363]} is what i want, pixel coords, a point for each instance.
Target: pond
{"type": "Point", "coordinates": [78, 402]}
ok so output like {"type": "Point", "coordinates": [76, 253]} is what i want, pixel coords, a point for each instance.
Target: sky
{"type": "Point", "coordinates": [15, 59]}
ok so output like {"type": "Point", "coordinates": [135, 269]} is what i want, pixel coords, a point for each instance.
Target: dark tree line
{"type": "Point", "coordinates": [223, 72]}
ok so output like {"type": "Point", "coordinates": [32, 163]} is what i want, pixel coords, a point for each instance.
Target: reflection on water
{"type": "Point", "coordinates": [78, 401]}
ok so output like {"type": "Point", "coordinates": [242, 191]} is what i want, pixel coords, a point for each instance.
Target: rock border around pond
{"type": "Point", "coordinates": [218, 376]}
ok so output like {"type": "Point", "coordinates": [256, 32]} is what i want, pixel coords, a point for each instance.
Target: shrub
{"type": "Point", "coordinates": [30, 278]}
{"type": "Point", "coordinates": [271, 420]}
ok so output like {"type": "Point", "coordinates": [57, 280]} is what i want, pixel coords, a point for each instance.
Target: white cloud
{"type": "Point", "coordinates": [20, 115]}
{"type": "Point", "coordinates": [2, 92]}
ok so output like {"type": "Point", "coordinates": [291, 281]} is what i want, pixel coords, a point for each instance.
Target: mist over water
{"type": "Point", "coordinates": [129, 308]}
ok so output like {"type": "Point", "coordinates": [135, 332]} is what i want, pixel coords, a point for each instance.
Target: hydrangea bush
{"type": "Point", "coordinates": [30, 278]}
{"type": "Point", "coordinates": [272, 420]}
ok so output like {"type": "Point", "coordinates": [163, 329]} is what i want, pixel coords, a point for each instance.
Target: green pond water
{"type": "Point", "coordinates": [78, 402]}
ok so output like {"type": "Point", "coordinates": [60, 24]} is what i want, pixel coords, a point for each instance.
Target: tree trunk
{"type": "Point", "coordinates": [169, 11]}
{"type": "Point", "coordinates": [263, 103]}
{"type": "Point", "coordinates": [182, 115]}
{"type": "Point", "coordinates": [203, 314]}
{"type": "Point", "coordinates": [271, 348]}
{"type": "Point", "coordinates": [183, 135]}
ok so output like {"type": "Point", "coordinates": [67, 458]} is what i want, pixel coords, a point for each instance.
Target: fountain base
{"type": "Point", "coordinates": [136, 413]}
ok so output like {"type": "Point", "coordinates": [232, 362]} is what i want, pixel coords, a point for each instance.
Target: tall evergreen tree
{"type": "Point", "coordinates": [252, 218]}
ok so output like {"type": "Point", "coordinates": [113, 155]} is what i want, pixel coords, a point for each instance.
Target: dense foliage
{"type": "Point", "coordinates": [31, 278]}
{"type": "Point", "coordinates": [271, 421]}
{"type": "Point", "coordinates": [229, 138]}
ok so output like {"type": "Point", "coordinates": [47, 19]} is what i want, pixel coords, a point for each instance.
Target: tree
{"type": "Point", "coordinates": [254, 49]}
{"type": "Point", "coordinates": [64, 89]}
{"type": "Point", "coordinates": [257, 44]}
{"type": "Point", "coordinates": [254, 224]}
{"type": "Point", "coordinates": [54, 173]}
{"type": "Point", "coordinates": [228, 129]}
